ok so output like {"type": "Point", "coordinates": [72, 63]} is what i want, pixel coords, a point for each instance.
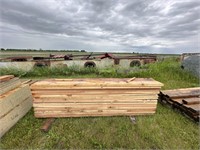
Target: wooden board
{"type": "Point", "coordinates": [13, 116]}
{"type": "Point", "coordinates": [28, 81]}
{"type": "Point", "coordinates": [9, 85]}
{"type": "Point", "coordinates": [9, 100]}
{"type": "Point", "coordinates": [186, 100]}
{"type": "Point", "coordinates": [93, 105]}
{"type": "Point", "coordinates": [94, 97]}
{"type": "Point", "coordinates": [95, 91]}
{"type": "Point", "coordinates": [183, 93]}
{"type": "Point", "coordinates": [93, 113]}
{"type": "Point", "coordinates": [111, 83]}
{"type": "Point", "coordinates": [190, 101]}
{"type": "Point", "coordinates": [195, 107]}
{"type": "Point", "coordinates": [63, 100]}
{"type": "Point", "coordinates": [6, 78]}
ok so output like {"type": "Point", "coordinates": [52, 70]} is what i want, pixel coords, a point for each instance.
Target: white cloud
{"type": "Point", "coordinates": [114, 25]}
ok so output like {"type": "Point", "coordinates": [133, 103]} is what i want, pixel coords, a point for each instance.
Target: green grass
{"type": "Point", "coordinates": [167, 129]}
{"type": "Point", "coordinates": [167, 72]}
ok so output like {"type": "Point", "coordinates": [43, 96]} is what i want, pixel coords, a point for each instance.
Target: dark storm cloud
{"type": "Point", "coordinates": [121, 24]}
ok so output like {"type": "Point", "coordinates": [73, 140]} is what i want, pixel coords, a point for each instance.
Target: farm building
{"type": "Point", "coordinates": [98, 61]}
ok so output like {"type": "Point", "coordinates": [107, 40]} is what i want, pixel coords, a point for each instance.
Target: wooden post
{"type": "Point", "coordinates": [47, 124]}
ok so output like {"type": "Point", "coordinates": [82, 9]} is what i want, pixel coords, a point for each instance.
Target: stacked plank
{"type": "Point", "coordinates": [187, 100]}
{"type": "Point", "coordinates": [94, 97]}
{"type": "Point", "coordinates": [15, 101]}
{"type": "Point", "coordinates": [8, 83]}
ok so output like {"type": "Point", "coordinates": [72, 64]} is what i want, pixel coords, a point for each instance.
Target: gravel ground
{"type": "Point", "coordinates": [192, 64]}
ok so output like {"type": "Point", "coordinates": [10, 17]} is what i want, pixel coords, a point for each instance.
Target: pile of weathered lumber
{"type": "Point", "coordinates": [8, 83]}
{"type": "Point", "coordinates": [15, 101]}
{"type": "Point", "coordinates": [95, 97]}
{"type": "Point", "coordinates": [186, 100]}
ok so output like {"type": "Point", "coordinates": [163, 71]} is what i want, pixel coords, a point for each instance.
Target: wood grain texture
{"type": "Point", "coordinates": [13, 116]}
{"type": "Point", "coordinates": [182, 93]}
{"type": "Point", "coordinates": [15, 101]}
{"type": "Point", "coordinates": [94, 97]}
{"type": "Point", "coordinates": [9, 85]}
{"type": "Point", "coordinates": [12, 98]}
{"type": "Point", "coordinates": [6, 78]}
{"type": "Point", "coordinates": [189, 101]}
{"type": "Point", "coordinates": [186, 100]}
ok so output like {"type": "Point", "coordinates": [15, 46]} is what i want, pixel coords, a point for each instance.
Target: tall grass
{"type": "Point", "coordinates": [168, 72]}
{"type": "Point", "coordinates": [49, 71]}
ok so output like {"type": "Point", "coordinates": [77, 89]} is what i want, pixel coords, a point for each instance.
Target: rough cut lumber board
{"type": "Point", "coordinates": [9, 82]}
{"type": "Point", "coordinates": [189, 101]}
{"type": "Point", "coordinates": [28, 81]}
{"type": "Point", "coordinates": [12, 117]}
{"type": "Point", "coordinates": [61, 93]}
{"type": "Point", "coordinates": [96, 111]}
{"type": "Point", "coordinates": [182, 93]}
{"type": "Point", "coordinates": [9, 85]}
{"type": "Point", "coordinates": [196, 107]}
{"type": "Point", "coordinates": [182, 90]}
{"type": "Point", "coordinates": [91, 109]}
{"type": "Point", "coordinates": [54, 87]}
{"type": "Point", "coordinates": [111, 83]}
{"type": "Point", "coordinates": [62, 100]}
{"type": "Point", "coordinates": [102, 91]}
{"type": "Point", "coordinates": [99, 97]}
{"type": "Point", "coordinates": [186, 100]}
{"type": "Point", "coordinates": [94, 97]}
{"type": "Point", "coordinates": [6, 78]}
{"type": "Point", "coordinates": [91, 95]}
{"type": "Point", "coordinates": [52, 114]}
{"type": "Point", "coordinates": [12, 98]}
{"type": "Point", "coordinates": [94, 105]}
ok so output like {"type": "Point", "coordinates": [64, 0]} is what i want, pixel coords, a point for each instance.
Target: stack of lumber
{"type": "Point", "coordinates": [95, 97]}
{"type": "Point", "coordinates": [15, 101]}
{"type": "Point", "coordinates": [8, 83]}
{"type": "Point", "coordinates": [187, 100]}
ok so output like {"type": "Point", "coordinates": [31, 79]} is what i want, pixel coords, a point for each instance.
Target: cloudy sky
{"type": "Point", "coordinates": [154, 26]}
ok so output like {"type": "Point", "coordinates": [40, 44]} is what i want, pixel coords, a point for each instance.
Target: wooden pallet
{"type": "Point", "coordinates": [94, 97]}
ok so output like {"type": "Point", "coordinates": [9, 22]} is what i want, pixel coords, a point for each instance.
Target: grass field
{"type": "Point", "coordinates": [4, 54]}
{"type": "Point", "coordinates": [167, 129]}
{"type": "Point", "coordinates": [7, 53]}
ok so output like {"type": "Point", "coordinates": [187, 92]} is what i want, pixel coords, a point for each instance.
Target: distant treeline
{"type": "Point", "coordinates": [8, 49]}
{"type": "Point", "coordinates": [57, 50]}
